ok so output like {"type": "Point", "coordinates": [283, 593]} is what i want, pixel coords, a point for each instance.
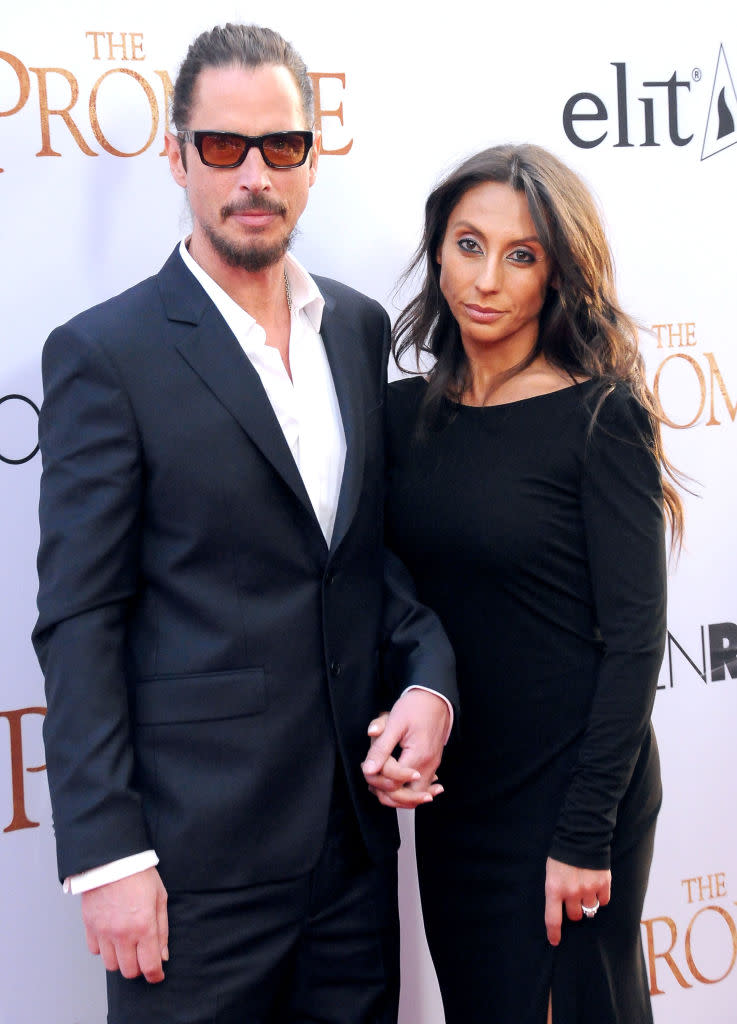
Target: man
{"type": "Point", "coordinates": [218, 621]}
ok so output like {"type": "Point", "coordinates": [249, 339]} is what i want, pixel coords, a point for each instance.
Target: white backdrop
{"type": "Point", "coordinates": [419, 88]}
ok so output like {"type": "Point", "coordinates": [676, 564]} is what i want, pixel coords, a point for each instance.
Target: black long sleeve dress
{"type": "Point", "coordinates": [540, 544]}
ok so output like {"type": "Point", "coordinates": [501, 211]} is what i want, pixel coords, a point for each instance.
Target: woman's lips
{"type": "Point", "coordinates": [483, 314]}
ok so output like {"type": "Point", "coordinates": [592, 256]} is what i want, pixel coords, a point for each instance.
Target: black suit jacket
{"type": "Point", "coordinates": [205, 653]}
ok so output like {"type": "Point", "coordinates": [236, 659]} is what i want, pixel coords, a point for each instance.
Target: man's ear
{"type": "Point", "coordinates": [314, 156]}
{"type": "Point", "coordinates": [176, 159]}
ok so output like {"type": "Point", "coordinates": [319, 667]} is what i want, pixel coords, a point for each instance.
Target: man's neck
{"type": "Point", "coordinates": [262, 294]}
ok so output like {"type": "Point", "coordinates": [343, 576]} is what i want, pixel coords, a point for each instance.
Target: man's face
{"type": "Point", "coordinates": [243, 216]}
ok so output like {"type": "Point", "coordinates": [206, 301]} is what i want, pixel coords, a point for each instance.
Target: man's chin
{"type": "Point", "coordinates": [251, 257]}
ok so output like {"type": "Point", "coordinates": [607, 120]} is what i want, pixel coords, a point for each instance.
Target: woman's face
{"type": "Point", "coordinates": [494, 272]}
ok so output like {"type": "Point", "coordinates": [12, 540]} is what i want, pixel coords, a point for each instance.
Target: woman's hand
{"type": "Point", "coordinates": [574, 888]}
{"type": "Point", "coordinates": [397, 784]}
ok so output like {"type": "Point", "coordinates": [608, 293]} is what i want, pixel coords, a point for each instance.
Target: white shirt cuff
{"type": "Point", "coordinates": [442, 697]}
{"type": "Point", "coordinates": [111, 872]}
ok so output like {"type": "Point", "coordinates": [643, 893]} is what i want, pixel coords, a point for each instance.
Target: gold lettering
{"type": "Point", "coordinates": [715, 374]}
{"type": "Point", "coordinates": [24, 84]}
{"type": "Point", "coordinates": [95, 36]}
{"type": "Point", "coordinates": [117, 46]}
{"type": "Point", "coordinates": [15, 718]}
{"type": "Point", "coordinates": [136, 39]}
{"type": "Point", "coordinates": [683, 333]}
{"type": "Point", "coordinates": [63, 112]}
{"type": "Point", "coordinates": [702, 386]}
{"type": "Point", "coordinates": [320, 113]}
{"type": "Point", "coordinates": [710, 887]}
{"type": "Point", "coordinates": [688, 881]}
{"type": "Point", "coordinates": [706, 887]}
{"type": "Point", "coordinates": [699, 975]}
{"type": "Point", "coordinates": [679, 334]}
{"type": "Point", "coordinates": [658, 328]}
{"type": "Point", "coordinates": [94, 121]}
{"type": "Point", "coordinates": [168, 93]}
{"type": "Point", "coordinates": [652, 956]}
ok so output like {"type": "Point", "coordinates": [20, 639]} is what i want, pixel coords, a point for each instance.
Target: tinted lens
{"type": "Point", "coordinates": [284, 149]}
{"type": "Point", "coordinates": [222, 150]}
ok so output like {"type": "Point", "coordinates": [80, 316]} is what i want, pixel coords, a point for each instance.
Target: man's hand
{"type": "Point", "coordinates": [418, 723]}
{"type": "Point", "coordinates": [127, 924]}
{"type": "Point", "coordinates": [573, 888]}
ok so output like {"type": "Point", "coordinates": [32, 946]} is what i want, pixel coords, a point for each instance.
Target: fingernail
{"type": "Point", "coordinates": [427, 798]}
{"type": "Point", "coordinates": [165, 953]}
{"type": "Point", "coordinates": [370, 767]}
{"type": "Point", "coordinates": [415, 776]}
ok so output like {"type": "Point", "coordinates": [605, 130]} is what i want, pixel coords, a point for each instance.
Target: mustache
{"type": "Point", "coordinates": [260, 203]}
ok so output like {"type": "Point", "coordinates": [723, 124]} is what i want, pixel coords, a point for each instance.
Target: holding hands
{"type": "Point", "coordinates": [419, 724]}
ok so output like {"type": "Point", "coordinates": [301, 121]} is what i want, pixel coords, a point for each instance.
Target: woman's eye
{"type": "Point", "coordinates": [469, 245]}
{"type": "Point", "coordinates": [522, 256]}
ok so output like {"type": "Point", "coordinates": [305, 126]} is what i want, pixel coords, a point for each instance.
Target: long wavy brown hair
{"type": "Point", "coordinates": [583, 331]}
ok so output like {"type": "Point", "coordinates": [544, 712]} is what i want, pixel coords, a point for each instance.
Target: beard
{"type": "Point", "coordinates": [251, 255]}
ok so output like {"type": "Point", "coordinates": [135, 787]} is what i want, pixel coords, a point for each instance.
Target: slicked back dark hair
{"type": "Point", "coordinates": [245, 46]}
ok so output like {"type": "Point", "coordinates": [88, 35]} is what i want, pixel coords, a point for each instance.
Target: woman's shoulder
{"type": "Point", "coordinates": [618, 408]}
{"type": "Point", "coordinates": [404, 399]}
{"type": "Point", "coordinates": [407, 386]}
{"type": "Point", "coordinates": [405, 395]}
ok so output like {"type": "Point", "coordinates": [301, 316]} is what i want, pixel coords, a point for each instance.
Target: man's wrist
{"type": "Point", "coordinates": [113, 871]}
{"type": "Point", "coordinates": [428, 689]}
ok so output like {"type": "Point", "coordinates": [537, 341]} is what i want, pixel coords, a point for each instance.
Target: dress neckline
{"type": "Point", "coordinates": [519, 402]}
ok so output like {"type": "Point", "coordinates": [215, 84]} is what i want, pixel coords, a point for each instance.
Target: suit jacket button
{"type": "Point", "coordinates": [335, 668]}
{"type": "Point", "coordinates": [329, 577]}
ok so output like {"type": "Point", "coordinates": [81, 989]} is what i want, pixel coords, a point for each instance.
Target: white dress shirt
{"type": "Point", "coordinates": [306, 406]}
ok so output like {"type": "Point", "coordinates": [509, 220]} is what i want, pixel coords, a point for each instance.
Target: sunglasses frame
{"type": "Point", "coordinates": [197, 139]}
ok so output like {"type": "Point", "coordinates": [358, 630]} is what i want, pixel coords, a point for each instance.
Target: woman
{"type": "Point", "coordinates": [527, 489]}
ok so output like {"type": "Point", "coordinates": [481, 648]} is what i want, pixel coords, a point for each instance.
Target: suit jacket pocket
{"type": "Point", "coordinates": [201, 697]}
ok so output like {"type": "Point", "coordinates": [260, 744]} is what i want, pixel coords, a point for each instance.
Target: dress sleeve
{"type": "Point", "coordinates": [622, 508]}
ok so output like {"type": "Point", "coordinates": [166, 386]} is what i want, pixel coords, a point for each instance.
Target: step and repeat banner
{"type": "Point", "coordinates": [641, 101]}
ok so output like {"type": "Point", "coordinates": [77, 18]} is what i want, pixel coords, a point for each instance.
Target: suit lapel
{"type": "Point", "coordinates": [213, 352]}
{"type": "Point", "coordinates": [344, 355]}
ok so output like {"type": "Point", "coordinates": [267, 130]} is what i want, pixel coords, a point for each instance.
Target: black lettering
{"type": "Point", "coordinates": [622, 105]}
{"type": "Point", "coordinates": [672, 86]}
{"type": "Point", "coordinates": [25, 458]}
{"type": "Point", "coordinates": [570, 115]}
{"type": "Point", "coordinates": [723, 650]}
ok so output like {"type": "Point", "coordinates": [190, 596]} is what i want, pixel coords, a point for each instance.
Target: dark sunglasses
{"type": "Point", "coordinates": [228, 149]}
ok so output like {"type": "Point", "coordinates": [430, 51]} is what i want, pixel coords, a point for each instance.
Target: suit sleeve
{"type": "Point", "coordinates": [624, 526]}
{"type": "Point", "coordinates": [416, 649]}
{"type": "Point", "coordinates": [89, 517]}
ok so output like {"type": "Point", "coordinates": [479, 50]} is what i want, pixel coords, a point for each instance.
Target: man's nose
{"type": "Point", "coordinates": [253, 173]}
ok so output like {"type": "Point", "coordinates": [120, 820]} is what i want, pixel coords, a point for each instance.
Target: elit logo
{"type": "Point", "coordinates": [721, 122]}
{"type": "Point", "coordinates": [666, 114]}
